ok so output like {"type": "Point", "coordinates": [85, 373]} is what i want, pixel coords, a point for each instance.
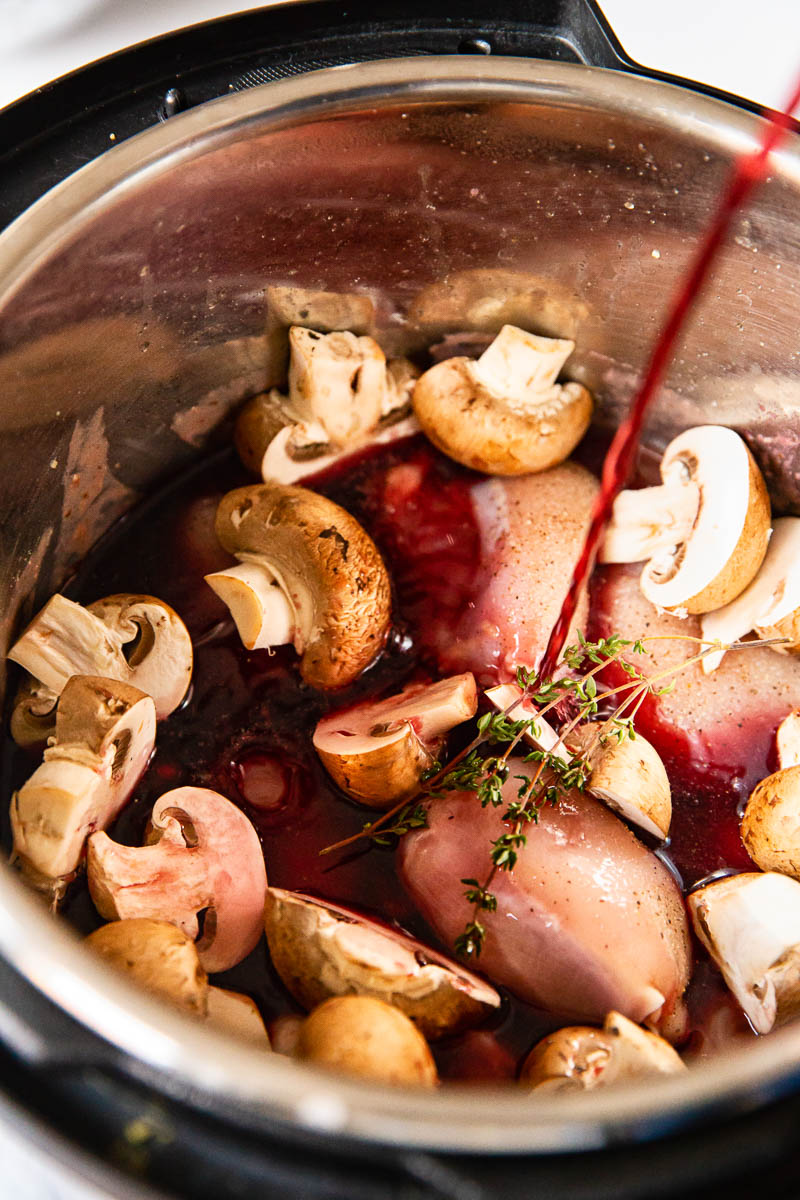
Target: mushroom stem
{"type": "Point", "coordinates": [648, 520]}
{"type": "Point", "coordinates": [264, 616]}
{"type": "Point", "coordinates": [541, 735]}
{"type": "Point", "coordinates": [519, 366]}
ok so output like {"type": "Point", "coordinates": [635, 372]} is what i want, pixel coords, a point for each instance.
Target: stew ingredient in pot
{"type": "Point", "coordinates": [471, 872]}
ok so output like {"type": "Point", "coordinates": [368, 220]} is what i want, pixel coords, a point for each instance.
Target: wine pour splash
{"type": "Point", "coordinates": [748, 171]}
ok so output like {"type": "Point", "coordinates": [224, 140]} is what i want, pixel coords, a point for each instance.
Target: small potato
{"type": "Point", "coordinates": [363, 1036]}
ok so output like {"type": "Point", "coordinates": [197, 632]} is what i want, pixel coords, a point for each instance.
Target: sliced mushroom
{"type": "Point", "coordinates": [540, 735]}
{"type": "Point", "coordinates": [583, 1058]}
{"type": "Point", "coordinates": [320, 950]}
{"type": "Point", "coordinates": [238, 1015]}
{"type": "Point", "coordinates": [704, 531]}
{"type": "Point", "coordinates": [138, 640]}
{"type": "Point", "coordinates": [770, 605]}
{"type": "Point", "coordinates": [362, 1036]}
{"type": "Point", "coordinates": [771, 823]}
{"type": "Point", "coordinates": [328, 568]}
{"type": "Point", "coordinates": [159, 956]}
{"type": "Point", "coordinates": [203, 856]}
{"type": "Point", "coordinates": [378, 751]}
{"type": "Point", "coordinates": [627, 775]}
{"type": "Point", "coordinates": [105, 733]}
{"type": "Point", "coordinates": [750, 925]}
{"type": "Point", "coordinates": [787, 740]}
{"type": "Point", "coordinates": [504, 413]}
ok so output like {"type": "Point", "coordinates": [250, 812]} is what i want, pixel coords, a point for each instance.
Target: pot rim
{"type": "Point", "coordinates": [192, 1061]}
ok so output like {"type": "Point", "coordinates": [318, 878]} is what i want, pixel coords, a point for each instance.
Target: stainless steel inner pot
{"type": "Point", "coordinates": [133, 319]}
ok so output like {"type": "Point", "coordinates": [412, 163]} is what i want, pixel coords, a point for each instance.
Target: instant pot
{"type": "Point", "coordinates": [326, 146]}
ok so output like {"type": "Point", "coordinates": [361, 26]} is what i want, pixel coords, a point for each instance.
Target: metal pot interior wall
{"type": "Point", "coordinates": [135, 310]}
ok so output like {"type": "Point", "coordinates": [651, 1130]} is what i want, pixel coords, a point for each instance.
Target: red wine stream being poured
{"type": "Point", "coordinates": [748, 171]}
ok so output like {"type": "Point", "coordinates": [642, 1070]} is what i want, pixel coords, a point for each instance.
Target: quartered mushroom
{"type": "Point", "coordinates": [583, 1058]}
{"type": "Point", "coordinates": [750, 925]}
{"type": "Point", "coordinates": [104, 735]}
{"type": "Point", "coordinates": [377, 751]}
{"type": "Point", "coordinates": [343, 395]}
{"type": "Point", "coordinates": [336, 593]}
{"type": "Point", "coordinates": [704, 530]}
{"type": "Point", "coordinates": [627, 775]}
{"type": "Point", "coordinates": [157, 955]}
{"type": "Point", "coordinates": [203, 855]}
{"type": "Point", "coordinates": [541, 734]}
{"type": "Point", "coordinates": [771, 823]}
{"type": "Point", "coordinates": [504, 413]}
{"type": "Point", "coordinates": [321, 950]}
{"type": "Point", "coordinates": [787, 740]}
{"type": "Point", "coordinates": [770, 606]}
{"type": "Point", "coordinates": [238, 1015]}
{"type": "Point", "coordinates": [138, 640]}
{"type": "Point", "coordinates": [362, 1036]}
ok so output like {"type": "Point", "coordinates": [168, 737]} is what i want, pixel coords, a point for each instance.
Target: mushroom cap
{"type": "Point", "coordinates": [362, 1036]}
{"type": "Point", "coordinates": [204, 855]}
{"type": "Point", "coordinates": [160, 660]}
{"type": "Point", "coordinates": [33, 717]}
{"type": "Point", "coordinates": [321, 950]}
{"type": "Point", "coordinates": [771, 823]}
{"type": "Point", "coordinates": [628, 776]}
{"type": "Point", "coordinates": [258, 422]}
{"type": "Point", "coordinates": [328, 566]}
{"type": "Point", "coordinates": [731, 532]}
{"type": "Point", "coordinates": [750, 925]}
{"type": "Point", "coordinates": [499, 436]}
{"type": "Point", "coordinates": [238, 1015]}
{"type": "Point", "coordinates": [377, 751]}
{"type": "Point", "coordinates": [300, 451]}
{"type": "Point", "coordinates": [105, 733]}
{"type": "Point", "coordinates": [159, 956]}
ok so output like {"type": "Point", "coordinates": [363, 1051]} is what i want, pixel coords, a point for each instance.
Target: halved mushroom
{"type": "Point", "coordinates": [238, 1015]}
{"type": "Point", "coordinates": [770, 605]}
{"type": "Point", "coordinates": [787, 740]}
{"type": "Point", "coordinates": [329, 569]}
{"type": "Point", "coordinates": [377, 751]}
{"type": "Point", "coordinates": [366, 1037]}
{"type": "Point", "coordinates": [582, 1058]}
{"type": "Point", "coordinates": [342, 396]}
{"type": "Point", "coordinates": [105, 733]}
{"type": "Point", "coordinates": [157, 955]}
{"type": "Point", "coordinates": [138, 640]}
{"type": "Point", "coordinates": [321, 950]}
{"type": "Point", "coordinates": [750, 925]}
{"type": "Point", "coordinates": [627, 775]}
{"type": "Point", "coordinates": [203, 855]}
{"type": "Point", "coordinates": [504, 413]}
{"type": "Point", "coordinates": [704, 531]}
{"type": "Point", "coordinates": [541, 734]}
{"type": "Point", "coordinates": [771, 823]}
{"type": "Point", "coordinates": [257, 603]}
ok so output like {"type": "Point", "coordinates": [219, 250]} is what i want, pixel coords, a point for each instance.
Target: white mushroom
{"type": "Point", "coordinates": [583, 1058]}
{"type": "Point", "coordinates": [238, 1015]}
{"type": "Point", "coordinates": [158, 956]}
{"type": "Point", "coordinates": [329, 570]}
{"type": "Point", "coordinates": [750, 925]}
{"type": "Point", "coordinates": [771, 823]}
{"type": "Point", "coordinates": [770, 605]}
{"type": "Point", "coordinates": [257, 603]}
{"type": "Point", "coordinates": [627, 775]}
{"type": "Point", "coordinates": [704, 530]}
{"type": "Point", "coordinates": [362, 1036]}
{"type": "Point", "coordinates": [138, 640]}
{"type": "Point", "coordinates": [105, 733]}
{"type": "Point", "coordinates": [787, 740]}
{"type": "Point", "coordinates": [540, 735]}
{"type": "Point", "coordinates": [321, 950]}
{"type": "Point", "coordinates": [203, 856]}
{"type": "Point", "coordinates": [504, 413]}
{"type": "Point", "coordinates": [377, 751]}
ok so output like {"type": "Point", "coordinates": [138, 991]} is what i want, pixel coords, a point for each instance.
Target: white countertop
{"type": "Point", "coordinates": [750, 49]}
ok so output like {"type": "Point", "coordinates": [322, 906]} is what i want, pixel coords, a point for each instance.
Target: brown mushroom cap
{"type": "Point", "coordinates": [321, 950]}
{"type": "Point", "coordinates": [159, 956]}
{"type": "Point", "coordinates": [498, 436]}
{"type": "Point", "coordinates": [259, 421]}
{"type": "Point", "coordinates": [362, 1036]}
{"type": "Point", "coordinates": [238, 1015]}
{"type": "Point", "coordinates": [377, 752]}
{"type": "Point", "coordinates": [328, 566]}
{"type": "Point", "coordinates": [771, 823]}
{"type": "Point", "coordinates": [628, 776]}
